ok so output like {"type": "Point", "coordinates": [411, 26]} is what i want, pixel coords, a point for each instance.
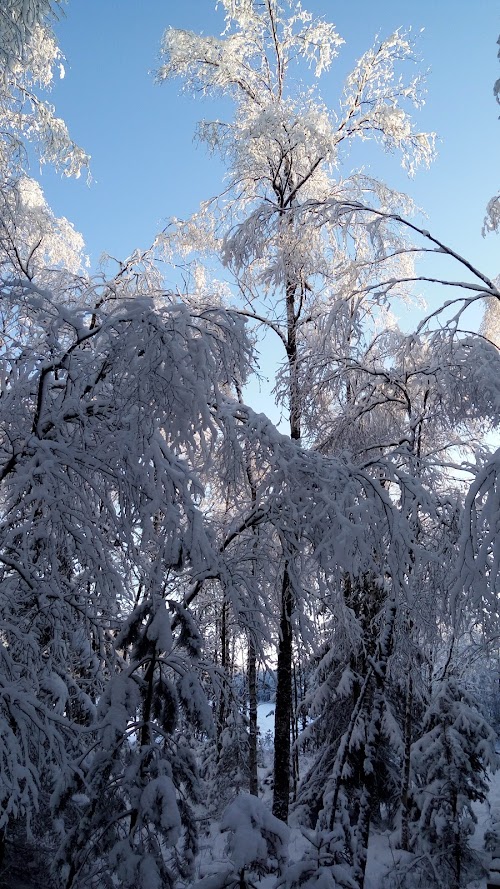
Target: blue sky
{"type": "Point", "coordinates": [146, 166]}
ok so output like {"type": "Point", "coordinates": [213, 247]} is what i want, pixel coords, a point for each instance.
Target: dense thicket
{"type": "Point", "coordinates": [161, 540]}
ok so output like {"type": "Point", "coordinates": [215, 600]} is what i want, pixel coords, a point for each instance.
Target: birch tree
{"type": "Point", "coordinates": [283, 149]}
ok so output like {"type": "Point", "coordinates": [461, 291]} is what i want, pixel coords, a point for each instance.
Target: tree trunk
{"type": "Point", "coordinates": [283, 708]}
{"type": "Point", "coordinates": [253, 727]}
{"type": "Point", "coordinates": [294, 399]}
{"type": "Point", "coordinates": [405, 788]}
{"type": "Point", "coordinates": [222, 709]}
{"type": "Point", "coordinates": [295, 735]}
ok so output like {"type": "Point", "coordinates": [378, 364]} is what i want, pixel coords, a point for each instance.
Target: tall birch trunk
{"type": "Point", "coordinates": [284, 688]}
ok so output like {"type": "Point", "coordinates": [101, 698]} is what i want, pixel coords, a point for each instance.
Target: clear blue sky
{"type": "Point", "coordinates": [146, 167]}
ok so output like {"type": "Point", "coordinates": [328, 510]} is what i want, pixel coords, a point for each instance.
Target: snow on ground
{"type": "Point", "coordinates": [381, 853]}
{"type": "Point", "coordinates": [265, 718]}
{"type": "Point", "coordinates": [380, 858]}
{"type": "Point", "coordinates": [484, 812]}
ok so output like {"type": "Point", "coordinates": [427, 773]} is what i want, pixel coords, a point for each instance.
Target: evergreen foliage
{"type": "Point", "coordinates": [450, 763]}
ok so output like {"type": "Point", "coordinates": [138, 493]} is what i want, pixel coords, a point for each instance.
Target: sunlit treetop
{"type": "Point", "coordinates": [256, 60]}
{"type": "Point", "coordinates": [29, 57]}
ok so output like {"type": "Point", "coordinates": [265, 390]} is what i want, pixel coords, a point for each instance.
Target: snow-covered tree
{"type": "Point", "coordinates": [107, 399]}
{"type": "Point", "coordinates": [283, 148]}
{"type": "Point", "coordinates": [29, 57]}
{"type": "Point", "coordinates": [450, 765]}
{"type": "Point", "coordinates": [257, 844]}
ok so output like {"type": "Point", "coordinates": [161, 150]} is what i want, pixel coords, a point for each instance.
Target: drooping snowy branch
{"type": "Point", "coordinates": [29, 56]}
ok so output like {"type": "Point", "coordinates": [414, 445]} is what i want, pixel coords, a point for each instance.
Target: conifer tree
{"type": "Point", "coordinates": [450, 763]}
